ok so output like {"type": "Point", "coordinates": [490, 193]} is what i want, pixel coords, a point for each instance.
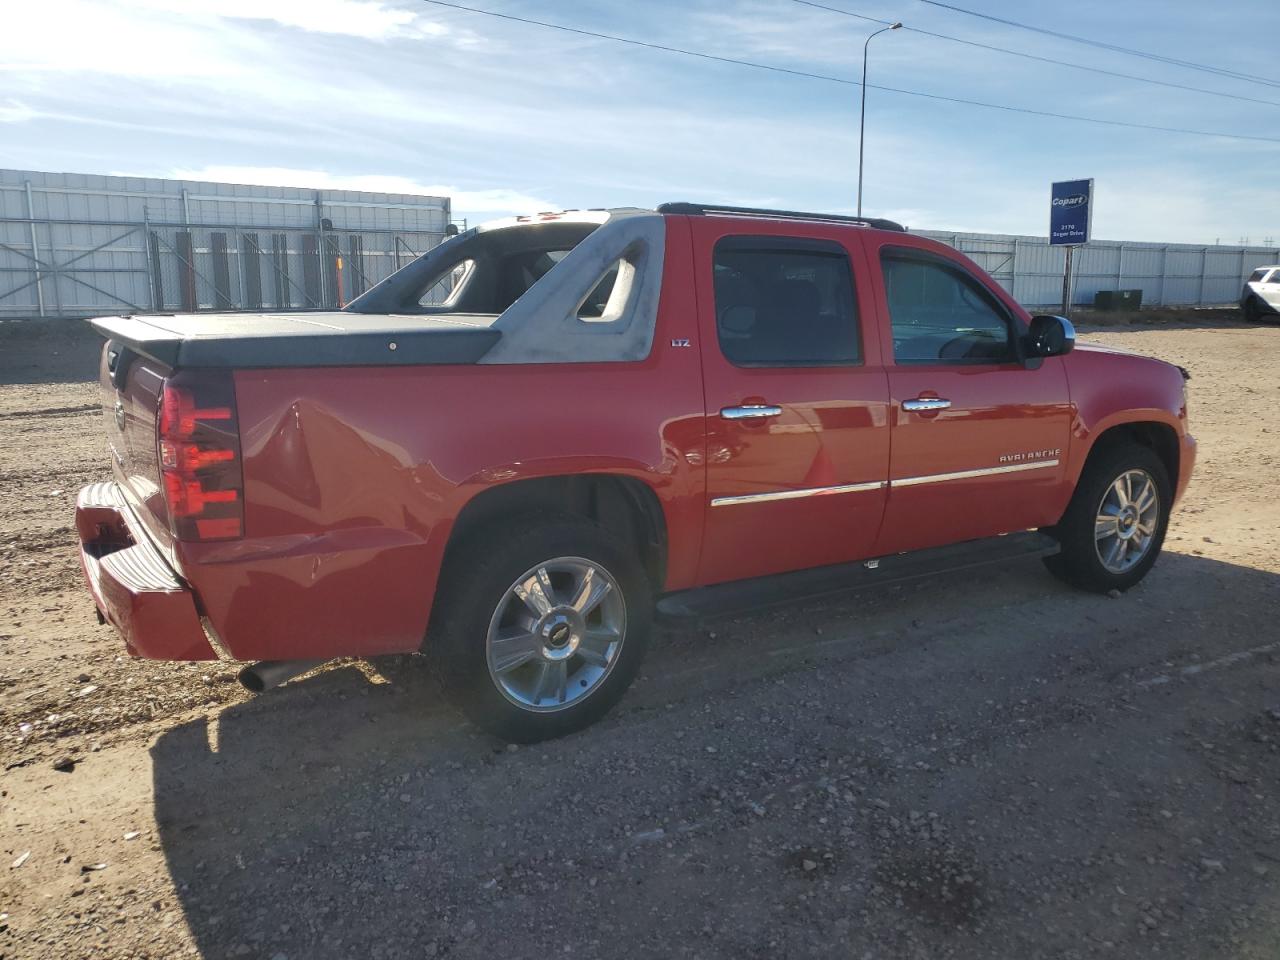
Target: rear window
{"type": "Point", "coordinates": [1259, 275]}
{"type": "Point", "coordinates": [485, 272]}
{"type": "Point", "coordinates": [783, 302]}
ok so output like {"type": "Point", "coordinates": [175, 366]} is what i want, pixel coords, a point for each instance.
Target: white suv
{"type": "Point", "coordinates": [1261, 294]}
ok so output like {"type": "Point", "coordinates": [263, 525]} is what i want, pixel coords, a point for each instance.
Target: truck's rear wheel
{"type": "Point", "coordinates": [544, 627]}
{"type": "Point", "coordinates": [1113, 529]}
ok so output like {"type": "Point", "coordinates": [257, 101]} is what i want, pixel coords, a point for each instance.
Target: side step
{"type": "Point", "coordinates": [761, 593]}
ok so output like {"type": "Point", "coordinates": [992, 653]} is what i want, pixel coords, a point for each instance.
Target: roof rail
{"type": "Point", "coordinates": [721, 210]}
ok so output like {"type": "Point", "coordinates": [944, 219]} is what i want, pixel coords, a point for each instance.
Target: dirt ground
{"type": "Point", "coordinates": [989, 765]}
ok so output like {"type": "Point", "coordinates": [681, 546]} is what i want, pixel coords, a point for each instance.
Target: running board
{"type": "Point", "coordinates": [763, 592]}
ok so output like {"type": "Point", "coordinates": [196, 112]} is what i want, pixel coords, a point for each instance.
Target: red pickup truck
{"type": "Point", "coordinates": [511, 452]}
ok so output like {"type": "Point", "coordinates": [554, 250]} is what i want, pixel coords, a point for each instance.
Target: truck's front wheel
{"type": "Point", "coordinates": [1114, 527]}
{"type": "Point", "coordinates": [543, 628]}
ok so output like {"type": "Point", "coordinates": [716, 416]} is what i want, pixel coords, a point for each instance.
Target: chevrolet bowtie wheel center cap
{"type": "Point", "coordinates": [560, 635]}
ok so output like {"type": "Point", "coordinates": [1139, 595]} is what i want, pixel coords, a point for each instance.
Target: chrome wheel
{"type": "Point", "coordinates": [556, 634]}
{"type": "Point", "coordinates": [1127, 520]}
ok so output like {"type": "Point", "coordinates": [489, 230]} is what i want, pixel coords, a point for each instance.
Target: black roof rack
{"type": "Point", "coordinates": [721, 210]}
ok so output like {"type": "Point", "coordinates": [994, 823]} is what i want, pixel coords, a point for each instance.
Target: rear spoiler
{"type": "Point", "coordinates": [262, 340]}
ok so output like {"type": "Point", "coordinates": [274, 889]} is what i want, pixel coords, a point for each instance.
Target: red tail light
{"type": "Point", "coordinates": [199, 447]}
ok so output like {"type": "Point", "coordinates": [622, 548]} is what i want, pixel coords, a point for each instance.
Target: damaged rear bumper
{"type": "Point", "coordinates": [134, 588]}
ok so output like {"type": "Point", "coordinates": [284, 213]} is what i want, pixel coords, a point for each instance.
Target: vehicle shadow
{"type": "Point", "coordinates": [346, 815]}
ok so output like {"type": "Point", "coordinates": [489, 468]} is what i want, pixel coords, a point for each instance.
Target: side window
{"type": "Point", "coordinates": [599, 305]}
{"type": "Point", "coordinates": [941, 315]}
{"type": "Point", "coordinates": [448, 287]}
{"type": "Point", "coordinates": [782, 302]}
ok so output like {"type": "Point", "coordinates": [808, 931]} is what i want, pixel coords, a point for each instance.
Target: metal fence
{"type": "Point", "coordinates": [78, 268]}
{"type": "Point", "coordinates": [1168, 274]}
{"type": "Point", "coordinates": [86, 267]}
{"type": "Point", "coordinates": [76, 245]}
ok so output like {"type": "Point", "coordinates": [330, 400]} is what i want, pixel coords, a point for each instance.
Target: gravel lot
{"type": "Point", "coordinates": [989, 765]}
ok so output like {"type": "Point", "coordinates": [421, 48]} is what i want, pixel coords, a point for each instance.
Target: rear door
{"type": "Point", "coordinates": [796, 398]}
{"type": "Point", "coordinates": [979, 438]}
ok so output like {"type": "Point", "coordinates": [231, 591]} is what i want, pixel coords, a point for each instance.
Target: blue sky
{"type": "Point", "coordinates": [401, 95]}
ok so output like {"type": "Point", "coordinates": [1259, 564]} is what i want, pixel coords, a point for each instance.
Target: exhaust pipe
{"type": "Point", "coordinates": [271, 673]}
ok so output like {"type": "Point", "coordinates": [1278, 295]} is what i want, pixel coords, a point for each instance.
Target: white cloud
{"type": "Point", "coordinates": [290, 91]}
{"type": "Point", "coordinates": [109, 38]}
{"type": "Point", "coordinates": [176, 39]}
{"type": "Point", "coordinates": [367, 19]}
{"type": "Point", "coordinates": [13, 111]}
{"type": "Point", "coordinates": [465, 201]}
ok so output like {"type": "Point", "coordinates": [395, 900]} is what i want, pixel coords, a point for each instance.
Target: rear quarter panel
{"type": "Point", "coordinates": [354, 476]}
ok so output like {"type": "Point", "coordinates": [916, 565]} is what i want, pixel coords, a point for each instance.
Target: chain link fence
{"type": "Point", "coordinates": [81, 268]}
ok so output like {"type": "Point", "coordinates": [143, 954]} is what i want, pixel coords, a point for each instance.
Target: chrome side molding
{"type": "Point", "coordinates": [797, 494]}
{"type": "Point", "coordinates": [881, 484]}
{"type": "Point", "coordinates": [971, 474]}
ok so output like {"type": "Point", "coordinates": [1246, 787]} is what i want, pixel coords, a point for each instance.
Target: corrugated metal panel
{"type": "Point", "coordinates": [1175, 273]}
{"type": "Point", "coordinates": [111, 243]}
{"type": "Point", "coordinates": [123, 243]}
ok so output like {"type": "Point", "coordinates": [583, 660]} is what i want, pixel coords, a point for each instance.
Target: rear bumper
{"type": "Point", "coordinates": [135, 590]}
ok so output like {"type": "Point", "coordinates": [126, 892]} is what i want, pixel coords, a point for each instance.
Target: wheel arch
{"type": "Point", "coordinates": [1156, 435]}
{"type": "Point", "coordinates": [624, 505]}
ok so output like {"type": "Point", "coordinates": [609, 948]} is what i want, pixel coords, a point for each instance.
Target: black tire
{"type": "Point", "coordinates": [477, 578]}
{"type": "Point", "coordinates": [1079, 563]}
{"type": "Point", "coordinates": [1251, 312]}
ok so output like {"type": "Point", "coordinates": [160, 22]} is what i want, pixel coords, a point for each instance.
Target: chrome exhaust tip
{"type": "Point", "coordinates": [265, 674]}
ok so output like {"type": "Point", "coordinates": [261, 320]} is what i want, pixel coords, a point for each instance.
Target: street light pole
{"type": "Point", "coordinates": [862, 123]}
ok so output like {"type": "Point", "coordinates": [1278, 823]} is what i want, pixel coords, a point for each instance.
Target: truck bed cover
{"type": "Point", "coordinates": [335, 339]}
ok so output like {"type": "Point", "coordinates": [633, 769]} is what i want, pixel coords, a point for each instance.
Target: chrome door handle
{"type": "Point", "coordinates": [925, 404]}
{"type": "Point", "coordinates": [750, 411]}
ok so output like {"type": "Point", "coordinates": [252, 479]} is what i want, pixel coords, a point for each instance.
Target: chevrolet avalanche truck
{"type": "Point", "coordinates": [509, 454]}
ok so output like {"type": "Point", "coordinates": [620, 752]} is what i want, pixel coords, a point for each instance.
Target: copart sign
{"type": "Point", "coordinates": [1070, 212]}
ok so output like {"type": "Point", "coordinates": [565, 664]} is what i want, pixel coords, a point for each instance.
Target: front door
{"type": "Point", "coordinates": [979, 438]}
{"type": "Point", "coordinates": [796, 399]}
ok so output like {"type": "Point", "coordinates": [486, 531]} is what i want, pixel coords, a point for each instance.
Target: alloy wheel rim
{"type": "Point", "coordinates": [1127, 517]}
{"type": "Point", "coordinates": [556, 634]}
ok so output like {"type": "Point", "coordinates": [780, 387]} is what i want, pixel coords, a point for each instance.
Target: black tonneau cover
{"type": "Point", "coordinates": [336, 339]}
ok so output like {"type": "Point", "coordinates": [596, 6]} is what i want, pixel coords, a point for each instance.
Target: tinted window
{"type": "Point", "coordinates": [1258, 275]}
{"type": "Point", "coordinates": [515, 274]}
{"type": "Point", "coordinates": [941, 315]}
{"type": "Point", "coordinates": [785, 303]}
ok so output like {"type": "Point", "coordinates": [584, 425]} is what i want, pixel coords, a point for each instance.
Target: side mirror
{"type": "Point", "coordinates": [1050, 336]}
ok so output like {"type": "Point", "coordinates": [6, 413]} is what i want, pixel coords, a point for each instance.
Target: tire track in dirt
{"type": "Point", "coordinates": [52, 412]}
